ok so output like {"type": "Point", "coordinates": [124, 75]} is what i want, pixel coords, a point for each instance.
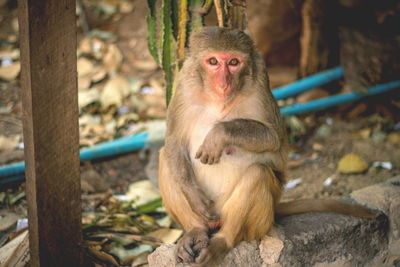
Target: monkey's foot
{"type": "Point", "coordinates": [193, 247]}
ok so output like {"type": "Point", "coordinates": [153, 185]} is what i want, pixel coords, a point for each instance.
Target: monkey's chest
{"type": "Point", "coordinates": [219, 179]}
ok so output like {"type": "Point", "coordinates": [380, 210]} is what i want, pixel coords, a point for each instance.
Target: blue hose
{"type": "Point", "coordinates": [337, 99]}
{"type": "Point", "coordinates": [115, 147]}
{"type": "Point", "coordinates": [308, 83]}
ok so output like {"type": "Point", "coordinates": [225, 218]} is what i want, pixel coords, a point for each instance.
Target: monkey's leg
{"type": "Point", "coordinates": [195, 241]}
{"type": "Point", "coordinates": [248, 212]}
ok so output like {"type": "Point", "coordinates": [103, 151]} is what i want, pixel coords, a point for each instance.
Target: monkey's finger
{"type": "Point", "coordinates": [204, 159]}
{"type": "Point", "coordinates": [210, 160]}
{"type": "Point", "coordinates": [204, 256]}
{"type": "Point", "coordinates": [183, 256]}
{"type": "Point", "coordinates": [187, 246]}
{"type": "Point", "coordinates": [198, 154]}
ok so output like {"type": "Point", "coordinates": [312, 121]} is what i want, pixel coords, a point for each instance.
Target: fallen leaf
{"type": "Point", "coordinates": [127, 118]}
{"type": "Point", "coordinates": [15, 253]}
{"type": "Point", "coordinates": [13, 54]}
{"type": "Point", "coordinates": [10, 72]}
{"type": "Point", "coordinates": [352, 163]}
{"type": "Point", "coordinates": [7, 143]}
{"type": "Point", "coordinates": [167, 236]}
{"type": "Point", "coordinates": [115, 90]}
{"type": "Point", "coordinates": [140, 260]}
{"type": "Point", "coordinates": [88, 97]}
{"type": "Point", "coordinates": [7, 220]}
{"type": "Point", "coordinates": [103, 256]}
{"type": "Point", "coordinates": [99, 74]}
{"type": "Point", "coordinates": [112, 59]}
{"type": "Point", "coordinates": [317, 147]}
{"type": "Point", "coordinates": [84, 82]}
{"type": "Point", "coordinates": [363, 133]}
{"type": "Point", "coordinates": [126, 6]}
{"type": "Point", "coordinates": [394, 138]}
{"type": "Point", "coordinates": [85, 66]}
{"type": "Point", "coordinates": [142, 192]}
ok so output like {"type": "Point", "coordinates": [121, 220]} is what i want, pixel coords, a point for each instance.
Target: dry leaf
{"type": "Point", "coordinates": [394, 138]}
{"type": "Point", "coordinates": [140, 260]}
{"type": "Point", "coordinates": [127, 118]}
{"type": "Point", "coordinates": [12, 54]}
{"type": "Point", "coordinates": [317, 147]}
{"type": "Point", "coordinates": [85, 66]}
{"type": "Point", "coordinates": [167, 236]}
{"type": "Point", "coordinates": [16, 252]}
{"type": "Point", "coordinates": [101, 255]}
{"type": "Point", "coordinates": [142, 192]}
{"type": "Point", "coordinates": [9, 73]}
{"type": "Point", "coordinates": [115, 90]}
{"type": "Point", "coordinates": [352, 163]}
{"type": "Point", "coordinates": [113, 59]}
{"type": "Point", "coordinates": [84, 83]}
{"type": "Point", "coordinates": [145, 65]}
{"type": "Point", "coordinates": [7, 143]}
{"type": "Point", "coordinates": [126, 6]}
{"type": "Point", "coordinates": [7, 220]}
{"type": "Point", "coordinates": [88, 97]}
{"type": "Point", "coordinates": [99, 75]}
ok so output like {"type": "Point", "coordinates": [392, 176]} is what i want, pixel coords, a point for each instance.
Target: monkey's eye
{"type": "Point", "coordinates": [234, 62]}
{"type": "Point", "coordinates": [213, 61]}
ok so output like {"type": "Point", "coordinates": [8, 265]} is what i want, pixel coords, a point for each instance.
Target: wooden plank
{"type": "Point", "coordinates": [51, 135]}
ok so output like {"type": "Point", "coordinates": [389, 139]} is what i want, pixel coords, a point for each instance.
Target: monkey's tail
{"type": "Point", "coordinates": [322, 205]}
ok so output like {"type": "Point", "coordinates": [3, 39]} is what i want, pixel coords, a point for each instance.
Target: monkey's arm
{"type": "Point", "coordinates": [180, 169]}
{"type": "Point", "coordinates": [248, 134]}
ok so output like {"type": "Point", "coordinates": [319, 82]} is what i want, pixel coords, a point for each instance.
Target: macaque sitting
{"type": "Point", "coordinates": [222, 167]}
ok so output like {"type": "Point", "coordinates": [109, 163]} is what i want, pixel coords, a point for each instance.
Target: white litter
{"type": "Point", "coordinates": [292, 183]}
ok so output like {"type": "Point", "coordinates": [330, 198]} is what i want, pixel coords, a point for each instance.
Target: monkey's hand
{"type": "Point", "coordinates": [213, 145]}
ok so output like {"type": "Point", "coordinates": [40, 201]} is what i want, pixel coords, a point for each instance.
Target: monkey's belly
{"type": "Point", "coordinates": [218, 180]}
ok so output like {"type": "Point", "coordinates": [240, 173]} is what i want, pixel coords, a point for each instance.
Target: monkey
{"type": "Point", "coordinates": [222, 168]}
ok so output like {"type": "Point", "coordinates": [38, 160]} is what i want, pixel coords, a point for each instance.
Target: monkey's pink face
{"type": "Point", "coordinates": [223, 69]}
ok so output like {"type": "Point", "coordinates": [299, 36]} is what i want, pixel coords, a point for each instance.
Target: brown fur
{"type": "Point", "coordinates": [224, 159]}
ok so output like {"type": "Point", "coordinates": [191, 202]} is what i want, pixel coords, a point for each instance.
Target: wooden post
{"type": "Point", "coordinates": [51, 135]}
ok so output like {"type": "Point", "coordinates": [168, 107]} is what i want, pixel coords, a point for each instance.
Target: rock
{"type": "Point", "coordinates": [394, 212]}
{"type": "Point", "coordinates": [270, 249]}
{"type": "Point", "coordinates": [352, 163]}
{"type": "Point", "coordinates": [163, 256]}
{"type": "Point", "coordinates": [379, 196]}
{"type": "Point", "coordinates": [322, 239]}
{"type": "Point", "coordinates": [94, 181]}
{"type": "Point", "coordinates": [313, 238]}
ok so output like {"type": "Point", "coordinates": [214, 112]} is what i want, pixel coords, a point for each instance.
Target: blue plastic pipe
{"type": "Point", "coordinates": [308, 83]}
{"type": "Point", "coordinates": [337, 99]}
{"type": "Point", "coordinates": [115, 147]}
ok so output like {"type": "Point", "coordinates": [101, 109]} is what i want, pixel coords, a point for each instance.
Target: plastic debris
{"type": "Point", "coordinates": [292, 183]}
{"type": "Point", "coordinates": [383, 164]}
